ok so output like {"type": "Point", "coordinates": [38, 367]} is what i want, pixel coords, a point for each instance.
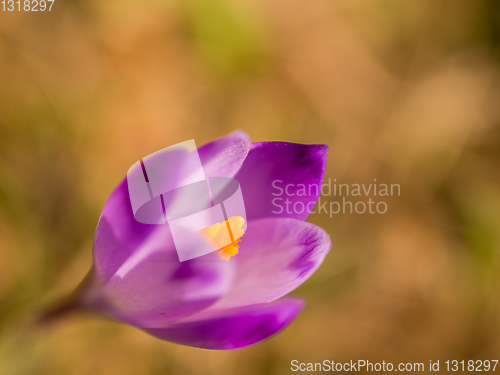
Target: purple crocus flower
{"type": "Point", "coordinates": [137, 278]}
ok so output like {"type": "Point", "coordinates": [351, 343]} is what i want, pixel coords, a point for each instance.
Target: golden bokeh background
{"type": "Point", "coordinates": [405, 92]}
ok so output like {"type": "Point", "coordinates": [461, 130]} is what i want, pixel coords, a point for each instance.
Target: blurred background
{"type": "Point", "coordinates": [406, 92]}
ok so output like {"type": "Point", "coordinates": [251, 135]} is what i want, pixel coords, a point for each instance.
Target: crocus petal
{"type": "Point", "coordinates": [284, 164]}
{"type": "Point", "coordinates": [152, 287]}
{"type": "Point", "coordinates": [275, 257]}
{"type": "Point", "coordinates": [235, 330]}
{"type": "Point", "coordinates": [224, 156]}
{"type": "Point", "coordinates": [117, 234]}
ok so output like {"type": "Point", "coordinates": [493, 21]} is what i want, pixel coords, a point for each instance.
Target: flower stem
{"type": "Point", "coordinates": [65, 306]}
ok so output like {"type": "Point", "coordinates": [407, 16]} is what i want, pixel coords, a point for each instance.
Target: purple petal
{"type": "Point", "coordinates": [152, 287]}
{"type": "Point", "coordinates": [284, 164]}
{"type": "Point", "coordinates": [235, 330]}
{"type": "Point", "coordinates": [224, 156]}
{"type": "Point", "coordinates": [117, 234]}
{"type": "Point", "coordinates": [275, 257]}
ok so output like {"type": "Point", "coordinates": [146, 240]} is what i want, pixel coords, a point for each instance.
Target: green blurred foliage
{"type": "Point", "coordinates": [226, 35]}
